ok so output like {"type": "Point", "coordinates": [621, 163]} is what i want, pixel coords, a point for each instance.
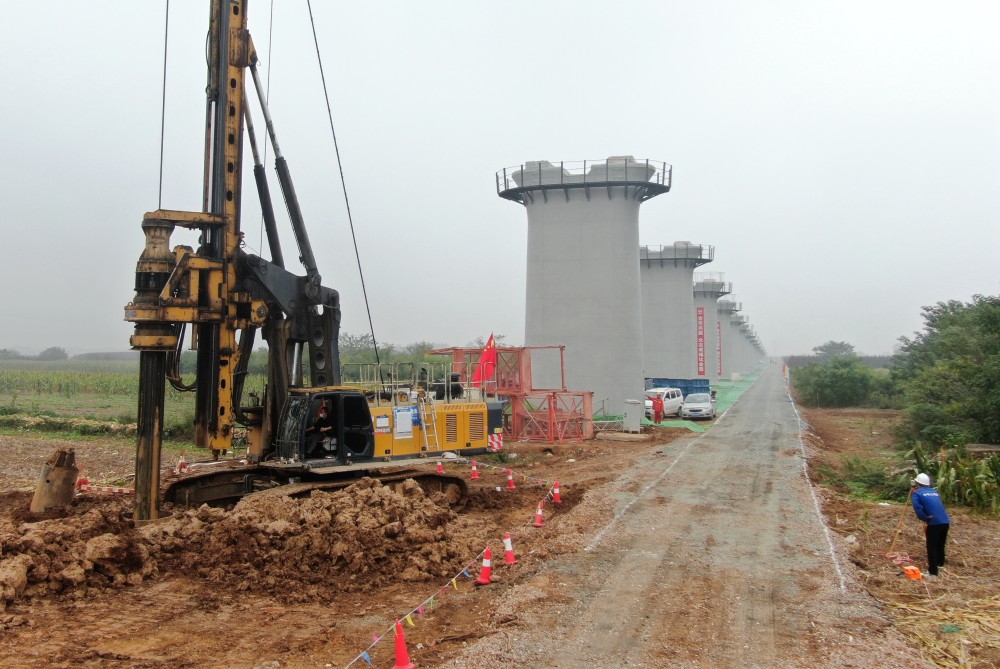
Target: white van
{"type": "Point", "coordinates": [672, 400]}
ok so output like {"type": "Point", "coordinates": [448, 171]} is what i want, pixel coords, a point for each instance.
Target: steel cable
{"type": "Point", "coordinates": [343, 182]}
{"type": "Point", "coordinates": [163, 101]}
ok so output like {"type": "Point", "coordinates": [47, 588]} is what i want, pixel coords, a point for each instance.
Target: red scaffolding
{"type": "Point", "coordinates": [548, 415]}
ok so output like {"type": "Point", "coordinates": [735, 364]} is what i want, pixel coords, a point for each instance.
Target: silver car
{"type": "Point", "coordinates": [698, 405]}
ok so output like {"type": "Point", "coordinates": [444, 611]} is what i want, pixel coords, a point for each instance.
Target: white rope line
{"type": "Point", "coordinates": [812, 491]}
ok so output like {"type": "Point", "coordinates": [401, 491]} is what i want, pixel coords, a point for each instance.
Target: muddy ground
{"type": "Point", "coordinates": [300, 582]}
{"type": "Point", "coordinates": [279, 582]}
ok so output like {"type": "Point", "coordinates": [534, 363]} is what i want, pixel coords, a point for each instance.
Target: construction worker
{"type": "Point", "coordinates": [322, 434]}
{"type": "Point", "coordinates": [658, 409]}
{"type": "Point", "coordinates": [930, 509]}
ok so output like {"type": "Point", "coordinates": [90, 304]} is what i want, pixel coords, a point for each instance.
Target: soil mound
{"type": "Point", "coordinates": [296, 550]}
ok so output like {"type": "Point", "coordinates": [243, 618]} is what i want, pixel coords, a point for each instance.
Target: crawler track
{"type": "Point", "coordinates": [234, 483]}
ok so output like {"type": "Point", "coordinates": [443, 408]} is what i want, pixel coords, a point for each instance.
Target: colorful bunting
{"type": "Point", "coordinates": [442, 592]}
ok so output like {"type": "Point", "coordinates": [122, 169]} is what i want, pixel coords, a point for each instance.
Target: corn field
{"type": "Point", "coordinates": [961, 479]}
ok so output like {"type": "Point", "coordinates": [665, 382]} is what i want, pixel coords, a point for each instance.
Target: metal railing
{"type": "Point", "coordinates": [541, 174]}
{"type": "Point", "coordinates": [395, 383]}
{"type": "Point", "coordinates": [677, 251]}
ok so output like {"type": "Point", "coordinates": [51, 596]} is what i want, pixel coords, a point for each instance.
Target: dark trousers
{"type": "Point", "coordinates": [936, 536]}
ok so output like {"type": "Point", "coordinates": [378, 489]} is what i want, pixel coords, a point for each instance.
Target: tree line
{"type": "Point", "coordinates": [354, 350]}
{"type": "Point", "coordinates": [946, 378]}
{"type": "Point", "coordinates": [51, 353]}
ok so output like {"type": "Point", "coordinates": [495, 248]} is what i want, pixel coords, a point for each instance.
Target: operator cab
{"type": "Point", "coordinates": [325, 428]}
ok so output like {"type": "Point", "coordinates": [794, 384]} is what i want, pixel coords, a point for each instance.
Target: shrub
{"type": "Point", "coordinates": [839, 382]}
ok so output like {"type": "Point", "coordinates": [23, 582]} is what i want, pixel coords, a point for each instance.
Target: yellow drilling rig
{"type": "Point", "coordinates": [303, 433]}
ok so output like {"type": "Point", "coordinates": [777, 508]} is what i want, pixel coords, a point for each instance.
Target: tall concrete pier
{"type": "Point", "coordinates": [736, 322]}
{"type": "Point", "coordinates": [708, 288]}
{"type": "Point", "coordinates": [666, 275]}
{"type": "Point", "coordinates": [583, 269]}
{"type": "Point", "coordinates": [727, 347]}
{"type": "Point", "coordinates": [749, 359]}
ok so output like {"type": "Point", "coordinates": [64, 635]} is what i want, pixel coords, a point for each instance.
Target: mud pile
{"type": "Point", "coordinates": [91, 547]}
{"type": "Point", "coordinates": [301, 550]}
{"type": "Point", "coordinates": [355, 539]}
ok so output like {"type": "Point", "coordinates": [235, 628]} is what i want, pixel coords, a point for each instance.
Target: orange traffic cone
{"type": "Point", "coordinates": [402, 655]}
{"type": "Point", "coordinates": [440, 469]}
{"type": "Point", "coordinates": [510, 480]}
{"type": "Point", "coordinates": [538, 516]}
{"type": "Point", "coordinates": [486, 572]}
{"type": "Point", "coordinates": [475, 472]}
{"type": "Point", "coordinates": [556, 499]}
{"type": "Point", "coordinates": [508, 550]}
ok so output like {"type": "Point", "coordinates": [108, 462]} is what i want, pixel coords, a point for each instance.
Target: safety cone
{"type": "Point", "coordinates": [508, 550]}
{"type": "Point", "coordinates": [402, 655]}
{"type": "Point", "coordinates": [538, 516]}
{"type": "Point", "coordinates": [475, 472]}
{"type": "Point", "coordinates": [556, 499]}
{"type": "Point", "coordinates": [486, 572]}
{"type": "Point", "coordinates": [510, 480]}
{"type": "Point", "coordinates": [440, 469]}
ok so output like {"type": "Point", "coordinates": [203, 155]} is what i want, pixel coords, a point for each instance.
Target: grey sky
{"type": "Point", "coordinates": [842, 157]}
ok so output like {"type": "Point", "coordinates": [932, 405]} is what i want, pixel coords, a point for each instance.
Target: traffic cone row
{"type": "Point", "coordinates": [485, 578]}
{"type": "Point", "coordinates": [510, 479]}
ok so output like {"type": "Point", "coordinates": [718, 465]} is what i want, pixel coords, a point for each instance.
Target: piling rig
{"type": "Point", "coordinates": [226, 295]}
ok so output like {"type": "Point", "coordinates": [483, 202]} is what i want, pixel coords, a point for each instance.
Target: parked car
{"type": "Point", "coordinates": [698, 405]}
{"type": "Point", "coordinates": [672, 399]}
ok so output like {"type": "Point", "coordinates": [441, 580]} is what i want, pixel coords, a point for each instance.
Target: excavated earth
{"type": "Point", "coordinates": [674, 549]}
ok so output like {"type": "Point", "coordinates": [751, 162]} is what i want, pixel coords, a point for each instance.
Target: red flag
{"type": "Point", "coordinates": [487, 366]}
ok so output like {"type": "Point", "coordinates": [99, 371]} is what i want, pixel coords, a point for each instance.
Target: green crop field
{"type": "Point", "coordinates": [104, 391]}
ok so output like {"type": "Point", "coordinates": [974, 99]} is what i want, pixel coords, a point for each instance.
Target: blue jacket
{"type": "Point", "coordinates": [929, 507]}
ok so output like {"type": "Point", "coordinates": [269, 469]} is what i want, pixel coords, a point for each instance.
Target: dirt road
{"type": "Point", "coordinates": [716, 556]}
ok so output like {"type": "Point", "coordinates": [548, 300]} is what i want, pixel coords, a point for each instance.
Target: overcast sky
{"type": "Point", "coordinates": [842, 157]}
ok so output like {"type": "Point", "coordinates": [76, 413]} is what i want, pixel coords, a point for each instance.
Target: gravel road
{"type": "Point", "coordinates": [716, 556]}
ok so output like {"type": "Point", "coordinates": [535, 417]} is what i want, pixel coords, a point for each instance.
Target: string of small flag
{"type": "Point", "coordinates": [418, 610]}
{"type": "Point", "coordinates": [524, 478]}
{"type": "Point", "coordinates": [553, 494]}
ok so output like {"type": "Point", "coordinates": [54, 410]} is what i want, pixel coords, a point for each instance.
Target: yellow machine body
{"type": "Point", "coordinates": [414, 429]}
